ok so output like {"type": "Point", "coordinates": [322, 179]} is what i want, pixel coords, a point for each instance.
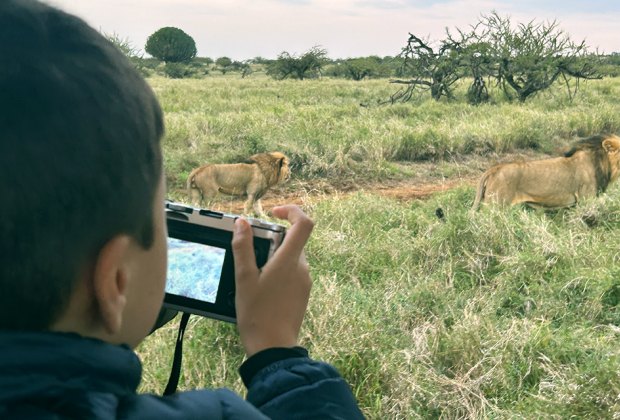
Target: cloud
{"type": "Point", "coordinates": [568, 6]}
{"type": "Point", "coordinates": [296, 1]}
{"type": "Point", "coordinates": [401, 4]}
{"type": "Point", "coordinates": [243, 29]}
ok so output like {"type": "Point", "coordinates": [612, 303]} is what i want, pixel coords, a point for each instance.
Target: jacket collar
{"type": "Point", "coordinates": [44, 363]}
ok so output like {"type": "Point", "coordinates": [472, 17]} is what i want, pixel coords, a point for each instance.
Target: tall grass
{"type": "Point", "coordinates": [500, 314]}
{"type": "Point", "coordinates": [497, 314]}
{"type": "Point", "coordinates": [334, 128]}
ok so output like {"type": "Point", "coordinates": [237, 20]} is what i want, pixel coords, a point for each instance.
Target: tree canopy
{"type": "Point", "coordinates": [172, 45]}
{"type": "Point", "coordinates": [530, 57]}
{"type": "Point", "coordinates": [521, 59]}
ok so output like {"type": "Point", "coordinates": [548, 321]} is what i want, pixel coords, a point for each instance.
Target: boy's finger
{"type": "Point", "coordinates": [297, 235]}
{"type": "Point", "coordinates": [243, 250]}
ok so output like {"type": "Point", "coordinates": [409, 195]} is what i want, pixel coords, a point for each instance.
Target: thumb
{"type": "Point", "coordinates": [243, 250]}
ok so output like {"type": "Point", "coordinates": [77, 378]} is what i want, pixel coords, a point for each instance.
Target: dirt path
{"type": "Point", "coordinates": [302, 193]}
{"type": "Point", "coordinates": [424, 179]}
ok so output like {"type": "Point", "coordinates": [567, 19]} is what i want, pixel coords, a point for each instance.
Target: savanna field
{"type": "Point", "coordinates": [504, 313]}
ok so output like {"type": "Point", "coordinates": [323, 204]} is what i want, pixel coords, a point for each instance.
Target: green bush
{"type": "Point", "coordinates": [178, 70]}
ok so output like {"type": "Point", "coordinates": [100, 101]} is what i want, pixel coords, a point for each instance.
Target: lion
{"type": "Point", "coordinates": [583, 172]}
{"type": "Point", "coordinates": [251, 178]}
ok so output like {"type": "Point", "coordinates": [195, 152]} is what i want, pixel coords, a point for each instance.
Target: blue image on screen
{"type": "Point", "coordinates": [194, 270]}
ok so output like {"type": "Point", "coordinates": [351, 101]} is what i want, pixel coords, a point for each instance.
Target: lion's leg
{"type": "Point", "coordinates": [252, 203]}
{"type": "Point", "coordinates": [209, 199]}
{"type": "Point", "coordinates": [209, 203]}
{"type": "Point", "coordinates": [249, 204]}
{"type": "Point", "coordinates": [196, 197]}
{"type": "Point", "coordinates": [246, 207]}
{"type": "Point", "coordinates": [258, 208]}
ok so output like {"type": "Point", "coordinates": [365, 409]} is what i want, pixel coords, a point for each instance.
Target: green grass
{"type": "Point", "coordinates": [498, 314]}
{"type": "Point", "coordinates": [322, 127]}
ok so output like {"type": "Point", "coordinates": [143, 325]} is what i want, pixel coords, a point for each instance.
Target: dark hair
{"type": "Point", "coordinates": [80, 158]}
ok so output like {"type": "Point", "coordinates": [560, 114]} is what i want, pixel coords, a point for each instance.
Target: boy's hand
{"type": "Point", "coordinates": [271, 302]}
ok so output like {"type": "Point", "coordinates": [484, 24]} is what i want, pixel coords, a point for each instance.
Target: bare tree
{"type": "Point", "coordinates": [522, 60]}
{"type": "Point", "coordinates": [128, 49]}
{"type": "Point", "coordinates": [430, 70]}
{"type": "Point", "coordinates": [532, 56]}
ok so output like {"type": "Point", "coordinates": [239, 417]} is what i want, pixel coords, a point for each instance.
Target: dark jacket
{"type": "Point", "coordinates": [57, 375]}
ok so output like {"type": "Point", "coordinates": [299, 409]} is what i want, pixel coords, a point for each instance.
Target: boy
{"type": "Point", "coordinates": [83, 245]}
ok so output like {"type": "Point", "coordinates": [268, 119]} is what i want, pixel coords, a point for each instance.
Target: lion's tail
{"type": "Point", "coordinates": [191, 184]}
{"type": "Point", "coordinates": [482, 187]}
{"type": "Point", "coordinates": [190, 180]}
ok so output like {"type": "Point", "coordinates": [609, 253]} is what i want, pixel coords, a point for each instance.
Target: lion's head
{"type": "Point", "coordinates": [605, 157]}
{"type": "Point", "coordinates": [273, 165]}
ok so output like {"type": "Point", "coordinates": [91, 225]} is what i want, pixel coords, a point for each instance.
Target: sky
{"type": "Point", "coordinates": [244, 29]}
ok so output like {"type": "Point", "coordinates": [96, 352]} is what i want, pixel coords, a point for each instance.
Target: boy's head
{"type": "Point", "coordinates": [80, 167]}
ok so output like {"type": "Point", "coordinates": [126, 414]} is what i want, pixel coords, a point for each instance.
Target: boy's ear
{"type": "Point", "coordinates": [110, 282]}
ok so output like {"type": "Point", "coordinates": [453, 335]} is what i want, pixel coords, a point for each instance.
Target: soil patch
{"type": "Point", "coordinates": [418, 181]}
